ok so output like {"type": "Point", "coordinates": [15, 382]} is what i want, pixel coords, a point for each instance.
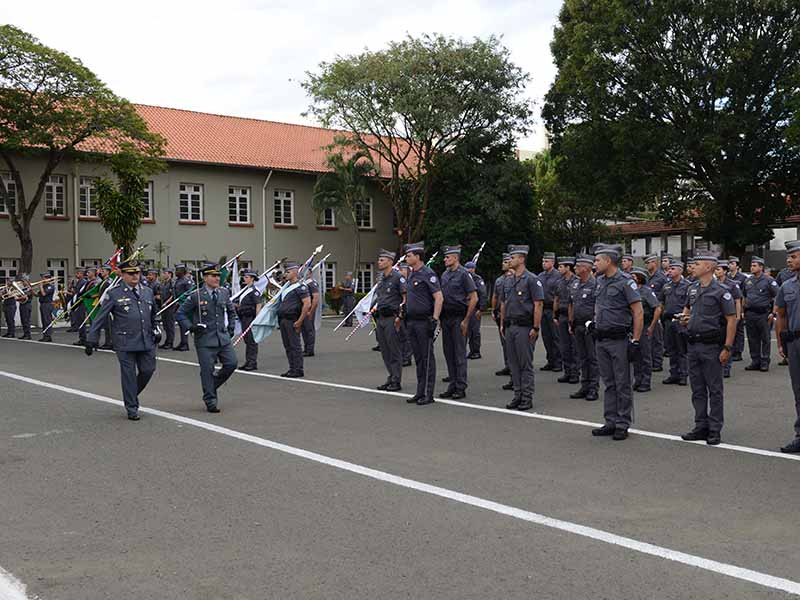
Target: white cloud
{"type": "Point", "coordinates": [247, 57]}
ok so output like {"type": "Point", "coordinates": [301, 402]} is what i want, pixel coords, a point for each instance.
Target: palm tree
{"type": "Point", "coordinates": [343, 189]}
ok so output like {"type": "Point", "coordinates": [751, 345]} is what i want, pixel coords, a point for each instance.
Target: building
{"type": "Point", "coordinates": [231, 184]}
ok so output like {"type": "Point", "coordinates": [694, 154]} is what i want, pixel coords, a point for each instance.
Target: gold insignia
{"type": "Point", "coordinates": [133, 263]}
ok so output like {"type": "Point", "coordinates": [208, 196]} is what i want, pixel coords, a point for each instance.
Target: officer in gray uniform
{"type": "Point", "coordinates": [168, 316]}
{"type": "Point", "coordinates": [522, 313]}
{"type": "Point", "coordinates": [735, 274]}
{"type": "Point", "coordinates": [405, 342]}
{"type": "Point", "coordinates": [643, 367]}
{"type": "Point", "coordinates": [293, 310]}
{"type": "Point", "coordinates": [154, 284]}
{"type": "Point", "coordinates": [309, 331]}
{"type": "Point", "coordinates": [348, 298]}
{"type": "Point", "coordinates": [569, 357]}
{"type": "Point", "coordinates": [784, 275]}
{"type": "Point", "coordinates": [673, 299]}
{"type": "Point", "coordinates": [203, 313]}
{"type": "Point", "coordinates": [131, 307]}
{"type": "Point", "coordinates": [25, 306]}
{"type": "Point", "coordinates": [497, 300]}
{"type": "Point", "coordinates": [247, 307]}
{"type": "Point", "coordinates": [656, 280]}
{"type": "Point", "coordinates": [182, 285]}
{"type": "Point", "coordinates": [731, 286]}
{"type": "Point", "coordinates": [460, 300]}
{"type": "Point", "coordinates": [709, 305]}
{"type": "Point", "coordinates": [617, 329]}
{"type": "Point", "coordinates": [389, 296]}
{"type": "Point", "coordinates": [759, 292]}
{"type": "Point", "coordinates": [474, 332]}
{"type": "Point", "coordinates": [581, 311]}
{"type": "Point", "coordinates": [424, 302]}
{"type": "Point", "coordinates": [787, 330]}
{"type": "Point", "coordinates": [626, 264]}
{"type": "Point", "coordinates": [46, 297]}
{"type": "Point", "coordinates": [10, 313]}
{"type": "Point", "coordinates": [550, 278]}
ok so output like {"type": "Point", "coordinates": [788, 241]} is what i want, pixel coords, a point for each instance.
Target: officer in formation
{"type": "Point", "coordinates": [787, 329]}
{"type": "Point", "coordinates": [182, 285]}
{"type": "Point", "coordinates": [735, 274]}
{"type": "Point", "coordinates": [76, 288]}
{"type": "Point", "coordinates": [656, 278]}
{"type": "Point", "coordinates": [759, 293]}
{"type": "Point", "coordinates": [460, 300]}
{"type": "Point", "coordinates": [522, 314]}
{"type": "Point", "coordinates": [424, 301]}
{"type": "Point", "coordinates": [46, 297]}
{"type": "Point", "coordinates": [474, 332]}
{"type": "Point", "coordinates": [104, 274]}
{"type": "Point", "coordinates": [581, 311]}
{"type": "Point", "coordinates": [247, 307]}
{"type": "Point", "coordinates": [626, 264]}
{"type": "Point", "coordinates": [732, 286]}
{"type": "Point", "coordinates": [389, 296]}
{"type": "Point", "coordinates": [405, 342]}
{"type": "Point", "coordinates": [673, 299]}
{"type": "Point", "coordinates": [569, 357]}
{"type": "Point", "coordinates": [153, 283]}
{"type": "Point", "coordinates": [168, 316]}
{"type": "Point", "coordinates": [309, 330]}
{"type": "Point", "coordinates": [131, 307]}
{"type": "Point", "coordinates": [25, 306]}
{"type": "Point", "coordinates": [347, 288]}
{"type": "Point", "coordinates": [617, 328]}
{"type": "Point", "coordinates": [294, 307]}
{"type": "Point", "coordinates": [666, 259]}
{"type": "Point", "coordinates": [204, 314]}
{"type": "Point", "coordinates": [10, 313]}
{"type": "Point", "coordinates": [550, 278]}
{"type": "Point", "coordinates": [643, 367]}
{"type": "Point", "coordinates": [497, 300]}
{"type": "Point", "coordinates": [784, 275]}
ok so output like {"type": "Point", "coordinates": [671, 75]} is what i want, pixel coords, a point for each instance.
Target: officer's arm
{"type": "Point", "coordinates": [186, 312]}
{"type": "Point", "coordinates": [306, 309]}
{"type": "Point", "coordinates": [99, 320]}
{"type": "Point", "coordinates": [473, 302]}
{"type": "Point", "coordinates": [438, 301]}
{"type": "Point", "coordinates": [657, 313]}
{"type": "Point", "coordinates": [638, 319]}
{"type": "Point", "coordinates": [231, 311]}
{"type": "Point", "coordinates": [538, 309]}
{"type": "Point", "coordinates": [494, 299]}
{"type": "Point", "coordinates": [730, 329]}
{"type": "Point", "coordinates": [314, 301]}
{"type": "Point", "coordinates": [570, 314]}
{"type": "Point", "coordinates": [780, 327]}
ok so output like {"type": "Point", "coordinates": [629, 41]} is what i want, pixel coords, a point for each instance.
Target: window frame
{"type": "Point", "coordinates": [328, 268]}
{"type": "Point", "coordinates": [276, 196]}
{"type": "Point", "coordinates": [184, 188]}
{"type": "Point", "coordinates": [362, 281]}
{"type": "Point", "coordinates": [360, 222]}
{"type": "Point", "coordinates": [90, 191]}
{"type": "Point", "coordinates": [322, 218]}
{"type": "Point", "coordinates": [62, 272]}
{"type": "Point", "coordinates": [150, 209]}
{"type": "Point", "coordinates": [8, 271]}
{"type": "Point", "coordinates": [50, 189]}
{"type": "Point", "coordinates": [235, 195]}
{"type": "Point", "coordinates": [10, 184]}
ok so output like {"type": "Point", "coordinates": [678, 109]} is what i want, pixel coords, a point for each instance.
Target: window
{"type": "Point", "coordinates": [11, 191]}
{"type": "Point", "coordinates": [365, 277]}
{"type": "Point", "coordinates": [238, 204]}
{"type": "Point", "coordinates": [86, 197]}
{"type": "Point", "coordinates": [191, 202]}
{"type": "Point", "coordinates": [782, 234]}
{"type": "Point", "coordinates": [364, 214]}
{"type": "Point", "coordinates": [245, 264]}
{"type": "Point", "coordinates": [147, 202]}
{"type": "Point", "coordinates": [59, 268]}
{"type": "Point", "coordinates": [326, 218]}
{"type": "Point", "coordinates": [8, 269]}
{"type": "Point", "coordinates": [329, 275]}
{"type": "Point", "coordinates": [91, 262]}
{"type": "Point", "coordinates": [284, 207]}
{"type": "Point", "coordinates": [54, 196]}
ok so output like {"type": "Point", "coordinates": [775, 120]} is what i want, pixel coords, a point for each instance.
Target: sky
{"type": "Point", "coordinates": [248, 57]}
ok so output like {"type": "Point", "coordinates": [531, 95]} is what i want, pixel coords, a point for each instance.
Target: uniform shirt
{"type": "Point", "coordinates": [313, 287]}
{"type": "Point", "coordinates": [133, 318]}
{"type": "Point", "coordinates": [733, 288]}
{"type": "Point", "coordinates": [582, 298]}
{"type": "Point", "coordinates": [759, 292]}
{"type": "Point", "coordinates": [649, 303]}
{"type": "Point", "coordinates": [167, 291]}
{"type": "Point", "coordinates": [657, 281]}
{"type": "Point", "coordinates": [292, 303]}
{"type": "Point", "coordinates": [499, 287]}
{"type": "Point", "coordinates": [614, 296]}
{"type": "Point", "coordinates": [247, 305]}
{"type": "Point", "coordinates": [480, 287]}
{"type": "Point", "coordinates": [457, 285]}
{"type": "Point", "coordinates": [28, 296]}
{"type": "Point", "coordinates": [347, 288]}
{"type": "Point", "coordinates": [708, 307]}
{"type": "Point", "coordinates": [390, 290]}
{"type": "Point", "coordinates": [788, 298]}
{"type": "Point", "coordinates": [48, 293]}
{"type": "Point", "coordinates": [739, 278]}
{"type": "Point", "coordinates": [201, 307]}
{"type": "Point", "coordinates": [784, 275]}
{"type": "Point", "coordinates": [673, 296]}
{"type": "Point", "coordinates": [182, 285]}
{"type": "Point", "coordinates": [550, 281]}
{"type": "Point", "coordinates": [562, 292]}
{"type": "Point", "coordinates": [420, 288]}
{"type": "Point", "coordinates": [520, 295]}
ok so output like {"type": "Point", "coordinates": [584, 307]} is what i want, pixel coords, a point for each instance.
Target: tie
{"type": "Point", "coordinates": [135, 292]}
{"type": "Point", "coordinates": [214, 296]}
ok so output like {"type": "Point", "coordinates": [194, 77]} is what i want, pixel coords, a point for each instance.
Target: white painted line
{"type": "Point", "coordinates": [495, 409]}
{"type": "Point", "coordinates": [11, 588]}
{"type": "Point", "coordinates": [762, 579]}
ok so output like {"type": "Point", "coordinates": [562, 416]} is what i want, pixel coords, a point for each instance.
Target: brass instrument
{"type": "Point", "coordinates": [19, 290]}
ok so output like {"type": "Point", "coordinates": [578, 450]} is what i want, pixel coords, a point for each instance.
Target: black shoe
{"type": "Point", "coordinates": [45, 339]}
{"type": "Point", "coordinates": [563, 379]}
{"type": "Point", "coordinates": [79, 343]}
{"type": "Point", "coordinates": [525, 405]}
{"type": "Point", "coordinates": [414, 399]}
{"type": "Point", "coordinates": [133, 417]}
{"type": "Point", "coordinates": [503, 372]}
{"type": "Point", "coordinates": [447, 379]}
{"type": "Point", "coordinates": [508, 386]}
{"type": "Point", "coordinates": [547, 367]}
{"type": "Point", "coordinates": [752, 367]}
{"type": "Point", "coordinates": [308, 354]}
{"type": "Point", "coordinates": [763, 368]}
{"type": "Point", "coordinates": [556, 369]}
{"type": "Point", "coordinates": [579, 394]}
{"type": "Point", "coordinates": [657, 369]}
{"type": "Point", "coordinates": [695, 435]}
{"type": "Point", "coordinates": [591, 396]}
{"type": "Point", "coordinates": [383, 386]}
{"type": "Point", "coordinates": [213, 409]}
{"type": "Point", "coordinates": [24, 337]}
{"type": "Point", "coordinates": [424, 401]}
{"type": "Point", "coordinates": [620, 434]}
{"type": "Point", "coordinates": [393, 387]}
{"type": "Point", "coordinates": [736, 358]}
{"type": "Point", "coordinates": [714, 438]}
{"type": "Point", "coordinates": [406, 363]}
{"type": "Point", "coordinates": [574, 379]}
{"type": "Point", "coordinates": [107, 347]}
{"type": "Point", "coordinates": [165, 347]}
{"type": "Point", "coordinates": [682, 381]}
{"type": "Point", "coordinates": [376, 348]}
{"type": "Point", "coordinates": [474, 355]}
{"type": "Point", "coordinates": [293, 374]}
{"type": "Point", "coordinates": [604, 431]}
{"type": "Point", "coordinates": [514, 404]}
{"type": "Point", "coordinates": [635, 387]}
{"type": "Point", "coordinates": [181, 349]}
{"type": "Point", "coordinates": [671, 380]}
{"type": "Point", "coordinates": [792, 447]}
{"type": "Point", "coordinates": [446, 395]}
{"type": "Point", "coordinates": [248, 368]}
{"type": "Point", "coordinates": [643, 389]}
{"type": "Point", "coordinates": [458, 395]}
{"type": "Point", "coordinates": [9, 335]}
{"type": "Point", "coordinates": [727, 375]}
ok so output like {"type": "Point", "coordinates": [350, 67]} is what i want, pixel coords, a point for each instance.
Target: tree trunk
{"type": "Point", "coordinates": [25, 248]}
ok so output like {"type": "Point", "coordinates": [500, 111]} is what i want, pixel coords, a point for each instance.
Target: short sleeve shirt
{"type": "Point", "coordinates": [760, 291]}
{"type": "Point", "coordinates": [708, 307]}
{"type": "Point", "coordinates": [420, 288]}
{"type": "Point", "coordinates": [614, 298]}
{"type": "Point", "coordinates": [788, 298]}
{"type": "Point", "coordinates": [582, 298]}
{"type": "Point", "coordinates": [292, 303]}
{"type": "Point", "coordinates": [673, 296]}
{"type": "Point", "coordinates": [390, 290]}
{"type": "Point", "coordinates": [521, 293]}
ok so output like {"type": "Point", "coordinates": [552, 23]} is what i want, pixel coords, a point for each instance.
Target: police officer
{"type": "Point", "coordinates": [759, 292]}
{"type": "Point", "coordinates": [730, 285]}
{"type": "Point", "coordinates": [10, 312]}
{"type": "Point", "coordinates": [522, 315]}
{"type": "Point", "coordinates": [474, 332]}
{"type": "Point", "coordinates": [617, 329]}
{"type": "Point", "coordinates": [626, 264]}
{"type": "Point", "coordinates": [581, 310]}
{"type": "Point", "coordinates": [550, 278]}
{"type": "Point", "coordinates": [424, 302]}
{"type": "Point", "coordinates": [643, 366]}
{"type": "Point", "coordinates": [203, 313]}
{"type": "Point", "coordinates": [153, 283]}
{"type": "Point", "coordinates": [784, 275]}
{"type": "Point", "coordinates": [131, 307]}
{"type": "Point", "coordinates": [735, 274]}
{"type": "Point", "coordinates": [247, 307]}
{"type": "Point", "coordinates": [405, 342]}
{"type": "Point", "coordinates": [347, 288]}
{"type": "Point", "coordinates": [168, 316]}
{"type": "Point", "coordinates": [709, 305]}
{"type": "Point", "coordinates": [497, 300]}
{"type": "Point", "coordinates": [25, 306]}
{"type": "Point", "coordinates": [460, 300]}
{"type": "Point", "coordinates": [666, 260]}
{"type": "Point", "coordinates": [46, 297]}
{"type": "Point", "coordinates": [389, 296]}
{"type": "Point", "coordinates": [293, 309]}
{"type": "Point", "coordinates": [182, 285]}
{"type": "Point", "coordinates": [656, 278]}
{"type": "Point", "coordinates": [673, 299]}
{"type": "Point", "coordinates": [309, 330]}
{"type": "Point", "coordinates": [787, 330]}
{"type": "Point", "coordinates": [566, 266]}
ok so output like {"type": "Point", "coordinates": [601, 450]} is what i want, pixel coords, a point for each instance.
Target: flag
{"type": "Point", "coordinates": [266, 320]}
{"type": "Point", "coordinates": [478, 253]}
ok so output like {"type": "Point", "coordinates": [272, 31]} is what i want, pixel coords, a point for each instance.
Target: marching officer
{"type": "Point", "coordinates": [735, 274]}
{"type": "Point", "coordinates": [460, 300]}
{"type": "Point", "coordinates": [673, 300]}
{"type": "Point", "coordinates": [104, 274]}
{"type": "Point", "coordinates": [497, 300]}
{"type": "Point", "coordinates": [89, 292]}
{"type": "Point", "coordinates": [203, 313]}
{"type": "Point", "coordinates": [581, 310]}
{"type": "Point", "coordinates": [131, 307]}
{"type": "Point", "coordinates": [25, 306]}
{"type": "Point", "coordinates": [474, 333]}
{"type": "Point", "coordinates": [77, 284]}
{"type": "Point", "coordinates": [709, 304]}
{"type": "Point", "coordinates": [522, 315]}
{"type": "Point", "coordinates": [656, 278]}
{"type": "Point", "coordinates": [566, 266]}
{"type": "Point", "coordinates": [294, 308]}
{"type": "Point", "coordinates": [46, 297]}
{"type": "Point", "coordinates": [759, 292]}
{"type": "Point", "coordinates": [784, 275]}
{"type": "Point", "coordinates": [168, 316]}
{"type": "Point", "coordinates": [182, 285]}
{"type": "Point", "coordinates": [424, 302]}
{"type": "Point", "coordinates": [787, 329]}
{"type": "Point", "coordinates": [247, 307]}
{"type": "Point", "coordinates": [736, 293]}
{"type": "Point", "coordinates": [550, 278]}
{"type": "Point", "coordinates": [617, 329]}
{"type": "Point", "coordinates": [309, 330]}
{"type": "Point", "coordinates": [389, 296]}
{"type": "Point", "coordinates": [347, 288]}
{"type": "Point", "coordinates": [153, 283]}
{"type": "Point", "coordinates": [643, 366]}
{"type": "Point", "coordinates": [10, 313]}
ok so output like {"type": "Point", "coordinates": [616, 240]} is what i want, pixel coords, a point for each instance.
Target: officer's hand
{"type": "Point", "coordinates": [502, 331]}
{"type": "Point", "coordinates": [89, 348]}
{"type": "Point", "coordinates": [725, 356]}
{"type": "Point", "coordinates": [397, 324]}
{"type": "Point", "coordinates": [771, 318]}
{"type": "Point", "coordinates": [197, 329]}
{"type": "Point", "coordinates": [231, 331]}
{"type": "Point", "coordinates": [157, 336]}
{"type": "Point", "coordinates": [478, 314]}
{"type": "Point", "coordinates": [297, 325]}
{"type": "Point", "coordinates": [650, 331]}
{"type": "Point", "coordinates": [634, 351]}
{"type": "Point", "coordinates": [432, 326]}
{"type": "Point", "coordinates": [533, 334]}
{"type": "Point", "coordinates": [464, 327]}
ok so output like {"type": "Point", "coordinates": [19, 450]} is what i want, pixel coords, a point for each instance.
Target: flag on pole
{"type": "Point", "coordinates": [235, 289]}
{"type": "Point", "coordinates": [478, 253]}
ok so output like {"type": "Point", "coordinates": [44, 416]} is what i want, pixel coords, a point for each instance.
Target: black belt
{"type": "Point", "coordinates": [705, 338]}
{"type": "Point", "coordinates": [611, 334]}
{"type": "Point", "coordinates": [386, 311]}
{"type": "Point", "coordinates": [293, 317]}
{"type": "Point", "coordinates": [757, 310]}
{"type": "Point", "coordinates": [418, 317]}
{"type": "Point", "coordinates": [454, 313]}
{"type": "Point", "coordinates": [520, 322]}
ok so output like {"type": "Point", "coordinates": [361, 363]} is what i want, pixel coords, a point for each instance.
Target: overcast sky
{"type": "Point", "coordinates": [248, 57]}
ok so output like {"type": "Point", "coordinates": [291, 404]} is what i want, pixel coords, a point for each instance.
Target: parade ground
{"type": "Point", "coordinates": [327, 488]}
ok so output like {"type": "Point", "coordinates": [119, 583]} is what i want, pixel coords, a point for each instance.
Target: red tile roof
{"type": "Point", "coordinates": [649, 227]}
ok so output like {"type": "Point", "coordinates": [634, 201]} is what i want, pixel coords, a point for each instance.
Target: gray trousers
{"type": "Point", "coordinates": [615, 370]}
{"type": "Point", "coordinates": [424, 357]}
{"type": "Point", "coordinates": [758, 339]}
{"type": "Point", "coordinates": [250, 346]}
{"type": "Point", "coordinates": [738, 341]}
{"type": "Point", "coordinates": [10, 312]}
{"type": "Point", "coordinates": [793, 354]}
{"type": "Point", "coordinates": [168, 324]}
{"type": "Point", "coordinates": [391, 348]}
{"type": "Point", "coordinates": [25, 311]}
{"type": "Point", "coordinates": [455, 353]}
{"type": "Point", "coordinates": [46, 314]}
{"type": "Point", "coordinates": [135, 369]}
{"type": "Point", "coordinates": [474, 333]}
{"type": "Point", "coordinates": [676, 346]}
{"type": "Point", "coordinates": [80, 315]}
{"type": "Point", "coordinates": [309, 333]}
{"type": "Point", "coordinates": [207, 357]}
{"type": "Point", "coordinates": [405, 343]}
{"type": "Point", "coordinates": [291, 345]}
{"type": "Point", "coordinates": [184, 343]}
{"type": "Point", "coordinates": [566, 342]}
{"type": "Point", "coordinates": [503, 346]}
{"type": "Point", "coordinates": [348, 303]}
{"type": "Point", "coordinates": [587, 359]}
{"type": "Point", "coordinates": [658, 346]}
{"type": "Point", "coordinates": [520, 361]}
{"type": "Point", "coordinates": [643, 367]}
{"type": "Point", "coordinates": [550, 339]}
{"type": "Point", "coordinates": [705, 377]}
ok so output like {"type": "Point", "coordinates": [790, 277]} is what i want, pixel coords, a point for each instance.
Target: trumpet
{"type": "Point", "coordinates": [19, 290]}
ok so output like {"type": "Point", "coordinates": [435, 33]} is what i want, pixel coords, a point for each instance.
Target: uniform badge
{"type": "Point", "coordinates": [539, 283]}
{"type": "Point", "coordinates": [632, 283]}
{"type": "Point", "coordinates": [433, 279]}
{"type": "Point", "coordinates": [126, 308]}
{"type": "Point", "coordinates": [775, 283]}
{"type": "Point", "coordinates": [402, 280]}
{"type": "Point", "coordinates": [584, 296]}
{"type": "Point", "coordinates": [416, 283]}
{"type": "Point", "coordinates": [519, 293]}
{"type": "Point", "coordinates": [727, 296]}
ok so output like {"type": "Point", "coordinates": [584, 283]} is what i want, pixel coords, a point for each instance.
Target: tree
{"type": "Point", "coordinates": [344, 190]}
{"type": "Point", "coordinates": [692, 99]}
{"type": "Point", "coordinates": [51, 106]}
{"type": "Point", "coordinates": [416, 100]}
